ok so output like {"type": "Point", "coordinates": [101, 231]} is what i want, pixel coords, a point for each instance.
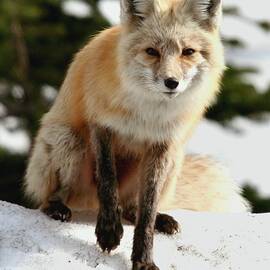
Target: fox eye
{"type": "Point", "coordinates": [188, 51]}
{"type": "Point", "coordinates": [152, 52]}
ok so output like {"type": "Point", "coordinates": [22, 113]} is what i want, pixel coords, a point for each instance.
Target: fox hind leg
{"type": "Point", "coordinates": [55, 207]}
{"type": "Point", "coordinates": [164, 223]}
{"type": "Point", "coordinates": [53, 168]}
{"type": "Point", "coordinates": [57, 210]}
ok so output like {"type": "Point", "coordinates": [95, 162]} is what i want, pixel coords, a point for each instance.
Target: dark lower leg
{"type": "Point", "coordinates": [144, 230]}
{"type": "Point", "coordinates": [155, 167]}
{"type": "Point", "coordinates": [163, 224]}
{"type": "Point", "coordinates": [109, 229]}
{"type": "Point", "coordinates": [55, 207]}
{"type": "Point", "coordinates": [57, 210]}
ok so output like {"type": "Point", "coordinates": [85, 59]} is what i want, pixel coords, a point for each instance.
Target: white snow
{"type": "Point", "coordinates": [30, 240]}
{"type": "Point", "coordinates": [77, 8]}
{"type": "Point", "coordinates": [246, 154]}
{"type": "Point", "coordinates": [16, 141]}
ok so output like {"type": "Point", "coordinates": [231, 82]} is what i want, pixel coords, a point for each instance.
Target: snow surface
{"type": "Point", "coordinates": [30, 240]}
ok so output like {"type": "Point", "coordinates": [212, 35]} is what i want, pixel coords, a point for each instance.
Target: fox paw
{"type": "Point", "coordinates": [166, 224]}
{"type": "Point", "coordinates": [58, 211]}
{"type": "Point", "coordinates": [144, 266]}
{"type": "Point", "coordinates": [109, 230]}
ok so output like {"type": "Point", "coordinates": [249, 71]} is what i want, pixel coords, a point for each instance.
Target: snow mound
{"type": "Point", "coordinates": [30, 240]}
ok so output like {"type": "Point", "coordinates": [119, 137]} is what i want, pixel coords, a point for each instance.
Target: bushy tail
{"type": "Point", "coordinates": [205, 185]}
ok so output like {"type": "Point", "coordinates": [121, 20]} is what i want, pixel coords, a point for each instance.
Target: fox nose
{"type": "Point", "coordinates": [171, 83]}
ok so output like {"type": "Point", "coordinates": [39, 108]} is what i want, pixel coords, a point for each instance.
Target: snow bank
{"type": "Point", "coordinates": [30, 240]}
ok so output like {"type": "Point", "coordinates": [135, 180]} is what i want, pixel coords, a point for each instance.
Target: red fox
{"type": "Point", "coordinates": [114, 138]}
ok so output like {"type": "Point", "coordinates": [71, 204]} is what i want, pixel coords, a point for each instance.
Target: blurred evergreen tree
{"type": "Point", "coordinates": [12, 169]}
{"type": "Point", "coordinates": [258, 203]}
{"type": "Point", "coordinates": [239, 97]}
{"type": "Point", "coordinates": [37, 42]}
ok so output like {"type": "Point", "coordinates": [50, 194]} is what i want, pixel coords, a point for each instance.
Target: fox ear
{"type": "Point", "coordinates": [135, 9]}
{"type": "Point", "coordinates": [207, 12]}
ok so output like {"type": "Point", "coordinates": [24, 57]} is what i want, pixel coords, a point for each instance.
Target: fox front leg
{"type": "Point", "coordinates": [156, 165]}
{"type": "Point", "coordinates": [109, 229]}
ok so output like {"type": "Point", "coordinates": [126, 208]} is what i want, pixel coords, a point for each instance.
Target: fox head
{"type": "Point", "coordinates": [168, 46]}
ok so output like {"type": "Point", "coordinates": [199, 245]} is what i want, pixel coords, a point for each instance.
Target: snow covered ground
{"type": "Point", "coordinates": [30, 240]}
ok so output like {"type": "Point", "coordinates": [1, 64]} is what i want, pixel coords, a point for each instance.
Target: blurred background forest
{"type": "Point", "coordinates": [38, 39]}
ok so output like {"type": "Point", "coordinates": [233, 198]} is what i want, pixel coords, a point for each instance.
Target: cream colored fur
{"type": "Point", "coordinates": [204, 185]}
